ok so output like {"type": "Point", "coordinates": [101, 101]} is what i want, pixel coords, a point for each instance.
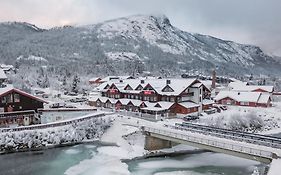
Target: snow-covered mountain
{"type": "Point", "coordinates": [132, 45]}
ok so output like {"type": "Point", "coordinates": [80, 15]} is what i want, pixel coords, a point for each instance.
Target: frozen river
{"type": "Point", "coordinates": [85, 159]}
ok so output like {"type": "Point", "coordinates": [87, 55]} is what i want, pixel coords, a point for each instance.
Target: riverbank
{"type": "Point", "coordinates": [28, 140]}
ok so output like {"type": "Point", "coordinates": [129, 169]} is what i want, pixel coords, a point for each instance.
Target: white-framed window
{"type": "Point", "coordinates": [17, 98]}
{"type": "Point", "coordinates": [244, 103]}
{"type": "Point", "coordinates": [3, 100]}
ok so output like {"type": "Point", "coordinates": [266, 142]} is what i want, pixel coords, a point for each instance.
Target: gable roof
{"type": "Point", "coordinates": [94, 79]}
{"type": "Point", "coordinates": [9, 89]}
{"type": "Point", "coordinates": [253, 88]}
{"type": "Point", "coordinates": [188, 104]}
{"type": "Point", "coordinates": [239, 96]}
{"type": "Point", "coordinates": [178, 85]}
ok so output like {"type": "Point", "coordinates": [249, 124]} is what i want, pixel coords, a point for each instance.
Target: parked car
{"type": "Point", "coordinates": [45, 96]}
{"type": "Point", "coordinates": [78, 100]}
{"type": "Point", "coordinates": [70, 93]}
{"type": "Point", "coordinates": [70, 106]}
{"type": "Point", "coordinates": [211, 111]}
{"type": "Point", "coordinates": [57, 105]}
{"type": "Point", "coordinates": [38, 92]}
{"type": "Point", "coordinates": [190, 118]}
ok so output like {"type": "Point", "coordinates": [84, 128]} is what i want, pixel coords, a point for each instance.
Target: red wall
{"type": "Point", "coordinates": [176, 108]}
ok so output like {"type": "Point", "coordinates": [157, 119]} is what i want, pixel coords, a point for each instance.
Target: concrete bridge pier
{"type": "Point", "coordinates": [153, 143]}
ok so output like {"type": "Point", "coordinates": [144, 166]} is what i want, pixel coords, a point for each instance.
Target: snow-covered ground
{"type": "Point", "coordinates": [261, 120]}
{"type": "Point", "coordinates": [110, 156]}
{"type": "Point", "coordinates": [130, 144]}
{"type": "Point", "coordinates": [73, 133]}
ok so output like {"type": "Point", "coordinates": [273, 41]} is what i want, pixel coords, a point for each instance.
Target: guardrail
{"type": "Point", "coordinates": [264, 140]}
{"type": "Point", "coordinates": [53, 124]}
{"type": "Point", "coordinates": [217, 144]}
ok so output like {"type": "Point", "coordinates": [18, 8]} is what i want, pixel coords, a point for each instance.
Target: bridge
{"type": "Point", "coordinates": [245, 145]}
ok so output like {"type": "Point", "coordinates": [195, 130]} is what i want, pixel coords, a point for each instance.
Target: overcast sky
{"type": "Point", "coordinates": [246, 21]}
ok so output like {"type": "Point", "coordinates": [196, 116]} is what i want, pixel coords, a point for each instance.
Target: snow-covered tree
{"type": "Point", "coordinates": [75, 83]}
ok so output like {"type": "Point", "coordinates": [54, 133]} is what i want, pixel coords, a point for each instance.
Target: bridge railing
{"type": "Point", "coordinates": [213, 143]}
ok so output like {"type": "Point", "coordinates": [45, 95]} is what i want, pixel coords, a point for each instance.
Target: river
{"type": "Point", "coordinates": [84, 159]}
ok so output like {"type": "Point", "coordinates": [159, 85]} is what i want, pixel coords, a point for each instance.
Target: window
{"type": "Point", "coordinates": [4, 100]}
{"type": "Point", "coordinates": [244, 103]}
{"type": "Point", "coordinates": [139, 88]}
{"type": "Point", "coordinates": [16, 98]}
{"type": "Point", "coordinates": [179, 99]}
{"type": "Point", "coordinates": [155, 98]}
{"type": "Point", "coordinates": [128, 88]}
{"type": "Point", "coordinates": [167, 89]}
{"type": "Point", "coordinates": [9, 98]}
{"type": "Point", "coordinates": [200, 91]}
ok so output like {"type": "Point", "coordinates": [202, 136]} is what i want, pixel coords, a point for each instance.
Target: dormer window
{"type": "Point", "coordinates": [148, 87]}
{"type": "Point", "coordinates": [128, 88]}
{"type": "Point", "coordinates": [139, 88]}
{"type": "Point", "coordinates": [167, 89]}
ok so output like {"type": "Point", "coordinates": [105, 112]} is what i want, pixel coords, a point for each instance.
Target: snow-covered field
{"type": "Point", "coordinates": [260, 120]}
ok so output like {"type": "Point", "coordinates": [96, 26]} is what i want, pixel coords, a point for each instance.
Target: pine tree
{"type": "Point", "coordinates": [75, 82]}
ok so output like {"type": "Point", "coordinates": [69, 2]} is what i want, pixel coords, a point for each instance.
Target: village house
{"type": "Point", "coordinates": [95, 81]}
{"type": "Point", "coordinates": [18, 107]}
{"type": "Point", "coordinates": [166, 97]}
{"type": "Point", "coordinates": [251, 99]}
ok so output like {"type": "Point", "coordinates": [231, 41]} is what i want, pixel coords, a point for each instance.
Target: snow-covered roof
{"type": "Point", "coordinates": [94, 98]}
{"type": "Point", "coordinates": [2, 74]}
{"type": "Point", "coordinates": [207, 102]}
{"type": "Point", "coordinates": [153, 109]}
{"type": "Point", "coordinates": [124, 101]}
{"type": "Point", "coordinates": [242, 86]}
{"type": "Point", "coordinates": [10, 88]}
{"type": "Point", "coordinates": [103, 99]}
{"type": "Point", "coordinates": [264, 98]}
{"type": "Point", "coordinates": [239, 96]}
{"type": "Point", "coordinates": [188, 104]}
{"type": "Point", "coordinates": [112, 100]}
{"type": "Point", "coordinates": [6, 67]}
{"type": "Point", "coordinates": [237, 84]}
{"type": "Point", "coordinates": [109, 78]}
{"type": "Point", "coordinates": [165, 104]}
{"type": "Point", "coordinates": [94, 79]}
{"type": "Point", "coordinates": [136, 102]}
{"type": "Point", "coordinates": [177, 85]}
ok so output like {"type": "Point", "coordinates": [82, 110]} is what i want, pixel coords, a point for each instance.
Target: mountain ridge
{"type": "Point", "coordinates": [135, 44]}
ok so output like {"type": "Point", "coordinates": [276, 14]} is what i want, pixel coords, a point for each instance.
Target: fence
{"type": "Point", "coordinates": [54, 124]}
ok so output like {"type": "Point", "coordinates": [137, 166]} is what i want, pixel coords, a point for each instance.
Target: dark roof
{"type": "Point", "coordinates": [6, 91]}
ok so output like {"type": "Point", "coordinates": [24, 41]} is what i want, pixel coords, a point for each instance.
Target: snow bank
{"type": "Point", "coordinates": [90, 129]}
{"type": "Point", "coordinates": [246, 119]}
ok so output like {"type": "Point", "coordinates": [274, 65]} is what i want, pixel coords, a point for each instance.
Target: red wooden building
{"type": "Point", "coordinates": [17, 105]}
{"type": "Point", "coordinates": [154, 95]}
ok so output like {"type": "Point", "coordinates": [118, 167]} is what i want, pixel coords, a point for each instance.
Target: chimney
{"type": "Point", "coordinates": [168, 81]}
{"type": "Point", "coordinates": [142, 81]}
{"type": "Point", "coordinates": [214, 78]}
